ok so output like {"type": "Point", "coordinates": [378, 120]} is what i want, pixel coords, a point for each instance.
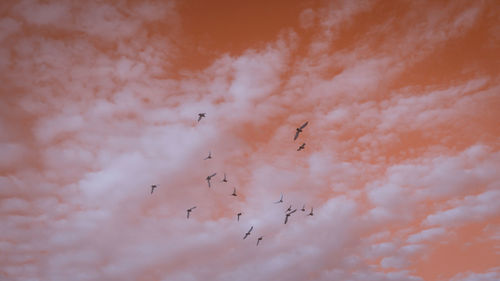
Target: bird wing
{"type": "Point", "coordinates": [305, 124]}
{"type": "Point", "coordinates": [208, 180]}
{"type": "Point", "coordinates": [213, 175]}
{"type": "Point", "coordinates": [293, 211]}
{"type": "Point", "coordinates": [188, 214]}
{"type": "Point", "coordinates": [250, 229]}
{"type": "Point", "coordinates": [199, 117]}
{"type": "Point", "coordinates": [296, 135]}
{"type": "Point", "coordinates": [286, 219]}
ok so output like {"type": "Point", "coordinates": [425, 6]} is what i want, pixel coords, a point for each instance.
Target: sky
{"type": "Point", "coordinates": [100, 100]}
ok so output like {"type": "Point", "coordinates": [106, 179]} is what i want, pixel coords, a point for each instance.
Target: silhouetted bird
{"type": "Point", "coordinates": [209, 156]}
{"type": "Point", "coordinates": [289, 214]}
{"type": "Point", "coordinates": [209, 178]}
{"type": "Point", "coordinates": [234, 192]}
{"type": "Point", "coordinates": [201, 115]}
{"type": "Point", "coordinates": [279, 201]}
{"type": "Point", "coordinates": [301, 147]}
{"type": "Point", "coordinates": [190, 210]}
{"type": "Point", "coordinates": [303, 208]}
{"type": "Point", "coordinates": [311, 213]}
{"type": "Point", "coordinates": [153, 188]}
{"type": "Point", "coordinates": [299, 130]}
{"type": "Point", "coordinates": [239, 214]}
{"type": "Point", "coordinates": [258, 240]}
{"type": "Point", "coordinates": [248, 233]}
{"type": "Point", "coordinates": [224, 179]}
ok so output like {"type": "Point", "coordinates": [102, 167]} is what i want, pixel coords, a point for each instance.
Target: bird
{"type": "Point", "coordinates": [299, 130]}
{"type": "Point", "coordinates": [201, 115]}
{"type": "Point", "coordinates": [224, 179]}
{"type": "Point", "coordinates": [289, 209]}
{"type": "Point", "coordinates": [281, 199]}
{"type": "Point", "coordinates": [258, 240]}
{"type": "Point", "coordinates": [153, 188]}
{"type": "Point", "coordinates": [289, 214]}
{"type": "Point", "coordinates": [303, 208]}
{"type": "Point", "coordinates": [190, 210]}
{"type": "Point", "coordinates": [301, 147]}
{"type": "Point", "coordinates": [209, 156]}
{"type": "Point", "coordinates": [234, 192]}
{"type": "Point", "coordinates": [209, 178]}
{"type": "Point", "coordinates": [248, 233]}
{"type": "Point", "coordinates": [311, 213]}
{"type": "Point", "coordinates": [239, 214]}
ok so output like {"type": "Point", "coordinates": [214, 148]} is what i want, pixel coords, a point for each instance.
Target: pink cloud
{"type": "Point", "coordinates": [96, 112]}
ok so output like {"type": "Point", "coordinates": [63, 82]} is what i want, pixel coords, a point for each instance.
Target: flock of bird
{"type": "Point", "coordinates": [288, 211]}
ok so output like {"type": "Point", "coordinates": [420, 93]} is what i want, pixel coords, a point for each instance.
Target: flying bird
{"type": "Point", "coordinates": [209, 156]}
{"type": "Point", "coordinates": [209, 178]}
{"type": "Point", "coordinates": [234, 192]}
{"type": "Point", "coordinates": [301, 147]}
{"type": "Point", "coordinates": [281, 199]}
{"type": "Point", "coordinates": [201, 115]}
{"type": "Point", "coordinates": [153, 188]}
{"type": "Point", "coordinates": [239, 214]}
{"type": "Point", "coordinates": [258, 240]}
{"type": "Point", "coordinates": [248, 233]}
{"type": "Point", "coordinates": [289, 214]}
{"type": "Point", "coordinates": [303, 208]}
{"type": "Point", "coordinates": [190, 210]}
{"type": "Point", "coordinates": [299, 130]}
{"type": "Point", "coordinates": [224, 179]}
{"type": "Point", "coordinates": [311, 213]}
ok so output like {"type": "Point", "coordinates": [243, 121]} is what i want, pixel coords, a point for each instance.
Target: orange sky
{"type": "Point", "coordinates": [99, 100]}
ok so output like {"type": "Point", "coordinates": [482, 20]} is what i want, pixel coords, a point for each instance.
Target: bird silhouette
{"type": "Point", "coordinates": [289, 214]}
{"type": "Point", "coordinates": [258, 240]}
{"type": "Point", "coordinates": [209, 178]}
{"type": "Point", "coordinates": [303, 208]}
{"type": "Point", "coordinates": [301, 147]}
{"type": "Point", "coordinates": [248, 233]}
{"type": "Point", "coordinates": [239, 214]}
{"type": "Point", "coordinates": [279, 201]}
{"type": "Point", "coordinates": [153, 188]}
{"type": "Point", "coordinates": [224, 179]}
{"type": "Point", "coordinates": [201, 115]}
{"type": "Point", "coordinates": [209, 156]}
{"type": "Point", "coordinates": [299, 130]}
{"type": "Point", "coordinates": [234, 192]}
{"type": "Point", "coordinates": [190, 210]}
{"type": "Point", "coordinates": [311, 213]}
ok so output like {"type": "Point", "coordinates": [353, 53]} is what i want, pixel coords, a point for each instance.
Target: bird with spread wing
{"type": "Point", "coordinates": [299, 130]}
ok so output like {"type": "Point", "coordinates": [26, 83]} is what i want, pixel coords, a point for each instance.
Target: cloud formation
{"type": "Point", "coordinates": [402, 162]}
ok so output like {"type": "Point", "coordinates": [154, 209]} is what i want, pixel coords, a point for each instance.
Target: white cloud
{"type": "Point", "coordinates": [492, 274]}
{"type": "Point", "coordinates": [471, 208]}
{"type": "Point", "coordinates": [426, 235]}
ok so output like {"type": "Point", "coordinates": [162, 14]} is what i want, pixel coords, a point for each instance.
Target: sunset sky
{"type": "Point", "coordinates": [100, 100]}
